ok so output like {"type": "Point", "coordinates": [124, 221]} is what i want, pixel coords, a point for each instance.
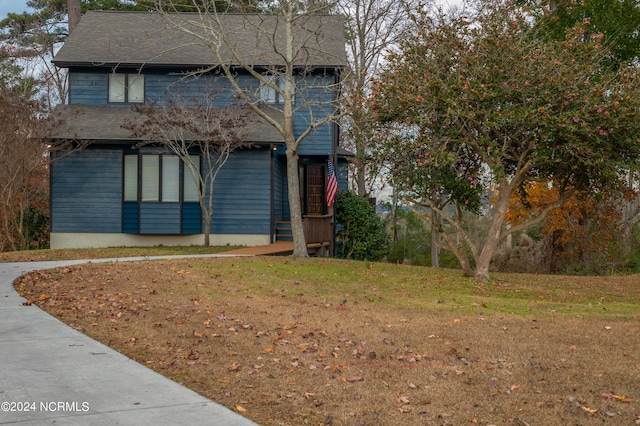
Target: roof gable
{"type": "Point", "coordinates": [146, 39]}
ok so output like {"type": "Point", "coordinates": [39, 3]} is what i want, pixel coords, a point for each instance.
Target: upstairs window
{"type": "Point", "coordinates": [126, 88]}
{"type": "Point", "coordinates": [269, 94]}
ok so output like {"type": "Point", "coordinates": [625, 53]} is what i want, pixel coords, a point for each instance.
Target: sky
{"type": "Point", "coordinates": [14, 6]}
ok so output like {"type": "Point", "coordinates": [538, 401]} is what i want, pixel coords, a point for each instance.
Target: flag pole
{"type": "Point", "coordinates": [330, 196]}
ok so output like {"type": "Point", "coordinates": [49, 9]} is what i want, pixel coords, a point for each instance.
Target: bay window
{"type": "Point", "coordinates": [159, 178]}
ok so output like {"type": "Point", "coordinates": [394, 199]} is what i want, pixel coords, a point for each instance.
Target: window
{"type": "Point", "coordinates": [269, 94]}
{"type": "Point", "coordinates": [126, 87]}
{"type": "Point", "coordinates": [190, 186]}
{"type": "Point", "coordinates": [157, 178]}
{"type": "Point", "coordinates": [130, 178]}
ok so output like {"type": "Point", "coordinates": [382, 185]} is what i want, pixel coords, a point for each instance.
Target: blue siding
{"type": "Point", "coordinates": [87, 186]}
{"type": "Point", "coordinates": [130, 218]}
{"type": "Point", "coordinates": [318, 142]}
{"type": "Point", "coordinates": [280, 198]}
{"type": "Point", "coordinates": [86, 191]}
{"type": "Point", "coordinates": [159, 218]}
{"type": "Point", "coordinates": [191, 218]}
{"type": "Point", "coordinates": [242, 194]}
{"type": "Point", "coordinates": [342, 173]}
{"type": "Point", "coordinates": [88, 88]}
{"type": "Point", "coordinates": [91, 87]}
{"type": "Point", "coordinates": [159, 86]}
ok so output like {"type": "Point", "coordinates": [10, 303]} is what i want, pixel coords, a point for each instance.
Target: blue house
{"type": "Point", "coordinates": [113, 192]}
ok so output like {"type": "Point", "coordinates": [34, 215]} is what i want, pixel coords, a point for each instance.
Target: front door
{"type": "Point", "coordinates": [315, 190]}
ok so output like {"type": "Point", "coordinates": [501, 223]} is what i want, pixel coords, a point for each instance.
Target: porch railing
{"type": "Point", "coordinates": [318, 229]}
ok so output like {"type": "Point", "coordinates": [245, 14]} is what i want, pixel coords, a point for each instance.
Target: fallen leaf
{"type": "Point", "coordinates": [592, 411]}
{"type": "Point", "coordinates": [402, 400]}
{"type": "Point", "coordinates": [621, 398]}
{"type": "Point", "coordinates": [240, 409]}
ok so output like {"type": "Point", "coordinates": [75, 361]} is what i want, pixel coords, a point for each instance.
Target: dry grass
{"type": "Point", "coordinates": [274, 339]}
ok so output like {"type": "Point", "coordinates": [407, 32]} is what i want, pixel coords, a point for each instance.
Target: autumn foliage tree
{"type": "Point", "coordinates": [583, 233]}
{"type": "Point", "coordinates": [23, 173]}
{"type": "Point", "coordinates": [488, 104]}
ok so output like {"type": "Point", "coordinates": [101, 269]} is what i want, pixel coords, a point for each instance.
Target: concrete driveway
{"type": "Point", "coordinates": [53, 374]}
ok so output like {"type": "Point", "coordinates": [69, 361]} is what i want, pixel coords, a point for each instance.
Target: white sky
{"type": "Point", "coordinates": [14, 6]}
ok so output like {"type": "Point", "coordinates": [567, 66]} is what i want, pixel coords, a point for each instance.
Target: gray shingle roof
{"type": "Point", "coordinates": [140, 38]}
{"type": "Point", "coordinates": [104, 123]}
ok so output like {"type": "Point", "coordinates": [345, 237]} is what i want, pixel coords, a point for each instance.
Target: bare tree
{"type": "Point", "coordinates": [374, 27]}
{"type": "Point", "coordinates": [275, 55]}
{"type": "Point", "coordinates": [23, 168]}
{"type": "Point", "coordinates": [187, 127]}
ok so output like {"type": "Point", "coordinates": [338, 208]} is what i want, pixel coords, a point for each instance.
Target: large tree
{"type": "Point", "coordinates": [489, 104]}
{"type": "Point", "coordinates": [616, 20]}
{"type": "Point", "coordinates": [374, 27]}
{"type": "Point", "coordinates": [290, 32]}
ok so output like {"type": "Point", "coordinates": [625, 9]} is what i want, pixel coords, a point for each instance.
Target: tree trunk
{"type": "Point", "coordinates": [360, 179]}
{"type": "Point", "coordinates": [207, 230]}
{"type": "Point", "coordinates": [295, 209]}
{"type": "Point", "coordinates": [435, 239]}
{"type": "Point", "coordinates": [495, 233]}
{"type": "Point", "coordinates": [392, 226]}
{"type": "Point", "coordinates": [73, 9]}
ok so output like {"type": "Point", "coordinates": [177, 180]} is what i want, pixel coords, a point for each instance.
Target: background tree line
{"type": "Point", "coordinates": [513, 145]}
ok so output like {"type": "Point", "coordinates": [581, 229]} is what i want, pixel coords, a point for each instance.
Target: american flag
{"type": "Point", "coordinates": [332, 184]}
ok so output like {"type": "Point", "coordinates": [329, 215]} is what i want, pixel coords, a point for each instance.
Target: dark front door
{"type": "Point", "coordinates": [315, 190]}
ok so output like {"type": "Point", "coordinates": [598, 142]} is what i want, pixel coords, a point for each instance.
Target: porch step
{"type": "Point", "coordinates": [283, 231]}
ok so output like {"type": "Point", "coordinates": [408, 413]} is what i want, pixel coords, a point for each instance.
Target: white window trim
{"type": "Point", "coordinates": [158, 178]}
{"type": "Point", "coordinates": [126, 88]}
{"type": "Point", "coordinates": [269, 95]}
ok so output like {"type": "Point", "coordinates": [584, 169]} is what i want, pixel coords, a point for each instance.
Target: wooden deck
{"type": "Point", "coordinates": [279, 248]}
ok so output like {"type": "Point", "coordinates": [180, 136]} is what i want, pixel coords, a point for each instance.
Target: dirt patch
{"type": "Point", "coordinates": [292, 347]}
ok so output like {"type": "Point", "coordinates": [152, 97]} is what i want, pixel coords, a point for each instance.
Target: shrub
{"type": "Point", "coordinates": [361, 233]}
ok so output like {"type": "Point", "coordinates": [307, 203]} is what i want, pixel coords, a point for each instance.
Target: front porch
{"type": "Point", "coordinates": [318, 233]}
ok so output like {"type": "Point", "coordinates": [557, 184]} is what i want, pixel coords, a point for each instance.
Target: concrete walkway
{"type": "Point", "coordinates": [53, 374]}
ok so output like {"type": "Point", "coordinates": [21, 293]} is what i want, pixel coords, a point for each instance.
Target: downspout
{"type": "Point", "coordinates": [272, 220]}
